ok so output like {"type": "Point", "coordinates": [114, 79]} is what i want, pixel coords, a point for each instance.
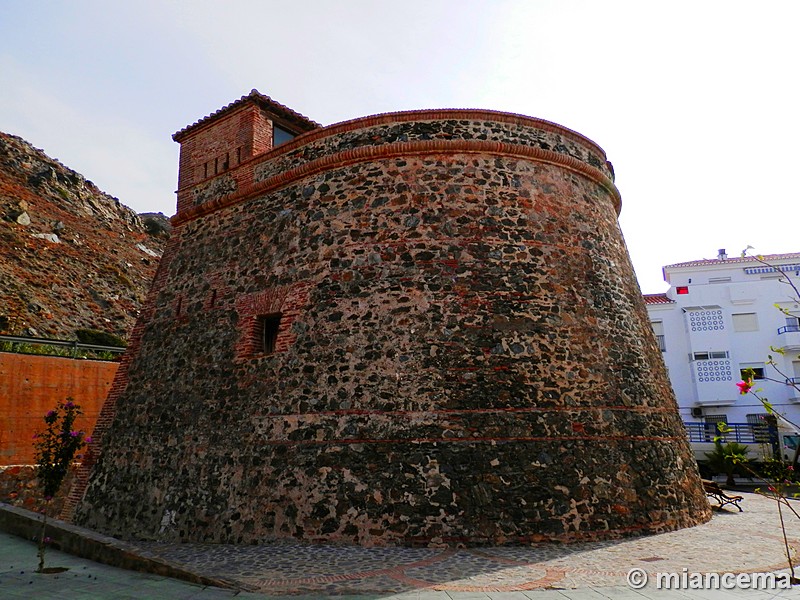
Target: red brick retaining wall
{"type": "Point", "coordinates": [31, 385]}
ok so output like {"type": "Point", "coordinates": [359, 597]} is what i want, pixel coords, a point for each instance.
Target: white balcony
{"type": "Point", "coordinates": [789, 337]}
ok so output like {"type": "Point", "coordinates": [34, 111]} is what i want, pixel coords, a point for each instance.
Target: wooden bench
{"type": "Point", "coordinates": [713, 490]}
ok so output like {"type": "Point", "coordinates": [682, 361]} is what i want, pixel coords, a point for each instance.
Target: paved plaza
{"type": "Point", "coordinates": [746, 542]}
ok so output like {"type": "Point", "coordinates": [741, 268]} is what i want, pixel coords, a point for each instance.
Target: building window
{"type": "Point", "coordinates": [709, 355]}
{"type": "Point", "coordinates": [792, 324]}
{"type": "Point", "coordinates": [267, 331]}
{"type": "Point", "coordinates": [760, 427]}
{"type": "Point", "coordinates": [745, 322]}
{"type": "Point", "coordinates": [756, 368]}
{"type": "Point", "coordinates": [796, 368]}
{"type": "Point", "coordinates": [658, 329]}
{"type": "Point", "coordinates": [719, 280]}
{"type": "Point", "coordinates": [280, 136]}
{"type": "Point", "coordinates": [711, 423]}
{"type": "Point", "coordinates": [682, 289]}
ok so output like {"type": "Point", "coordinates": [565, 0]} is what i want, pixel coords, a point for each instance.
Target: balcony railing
{"type": "Point", "coordinates": [661, 343]}
{"type": "Point", "coordinates": [742, 433]}
{"type": "Point", "coordinates": [788, 329]}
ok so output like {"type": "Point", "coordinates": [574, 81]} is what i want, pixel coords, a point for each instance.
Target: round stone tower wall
{"type": "Point", "coordinates": [419, 328]}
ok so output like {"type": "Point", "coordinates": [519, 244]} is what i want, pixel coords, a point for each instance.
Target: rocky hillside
{"type": "Point", "coordinates": [71, 256]}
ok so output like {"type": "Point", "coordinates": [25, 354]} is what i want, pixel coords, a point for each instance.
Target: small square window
{"type": "Point", "coordinates": [280, 136]}
{"type": "Point", "coordinates": [757, 369]}
{"type": "Point", "coordinates": [267, 331]}
{"type": "Point", "coordinates": [745, 321]}
{"type": "Point", "coordinates": [682, 289]}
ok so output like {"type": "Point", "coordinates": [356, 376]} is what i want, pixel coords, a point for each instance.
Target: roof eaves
{"type": "Point", "coordinates": [657, 299]}
{"type": "Point", "coordinates": [265, 101]}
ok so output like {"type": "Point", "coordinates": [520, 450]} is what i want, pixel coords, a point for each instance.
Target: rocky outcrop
{"type": "Point", "coordinates": [71, 256]}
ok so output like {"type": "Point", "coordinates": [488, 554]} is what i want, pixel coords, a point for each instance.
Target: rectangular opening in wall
{"type": "Point", "coordinates": [268, 326]}
{"type": "Point", "coordinates": [712, 354]}
{"type": "Point", "coordinates": [792, 324]}
{"type": "Point", "coordinates": [745, 321]}
{"type": "Point", "coordinates": [757, 368]}
{"type": "Point", "coordinates": [712, 426]}
{"type": "Point", "coordinates": [658, 329]}
{"type": "Point", "coordinates": [280, 136]}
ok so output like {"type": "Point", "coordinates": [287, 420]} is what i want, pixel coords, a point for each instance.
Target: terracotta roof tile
{"type": "Point", "coordinates": [657, 299]}
{"type": "Point", "coordinates": [735, 260]}
{"type": "Point", "coordinates": [254, 95]}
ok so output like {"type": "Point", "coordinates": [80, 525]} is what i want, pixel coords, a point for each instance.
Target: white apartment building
{"type": "Point", "coordinates": [720, 317]}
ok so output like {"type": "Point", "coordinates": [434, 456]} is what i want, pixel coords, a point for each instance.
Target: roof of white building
{"type": "Point", "coordinates": [657, 299]}
{"type": "Point", "coordinates": [735, 260]}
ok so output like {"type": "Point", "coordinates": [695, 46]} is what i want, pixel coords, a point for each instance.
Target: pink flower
{"type": "Point", "coordinates": [74, 433]}
{"type": "Point", "coordinates": [88, 439]}
{"type": "Point", "coordinates": [744, 386]}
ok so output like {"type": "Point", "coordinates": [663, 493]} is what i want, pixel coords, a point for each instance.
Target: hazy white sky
{"type": "Point", "coordinates": [695, 102]}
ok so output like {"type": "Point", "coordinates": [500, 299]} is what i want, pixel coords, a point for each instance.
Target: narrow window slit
{"type": "Point", "coordinates": [267, 330]}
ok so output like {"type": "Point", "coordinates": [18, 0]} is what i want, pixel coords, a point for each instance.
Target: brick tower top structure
{"type": "Point", "coordinates": [411, 328]}
{"type": "Point", "coordinates": [230, 137]}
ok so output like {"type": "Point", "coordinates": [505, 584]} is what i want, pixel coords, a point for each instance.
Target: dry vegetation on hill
{"type": "Point", "coordinates": [71, 256]}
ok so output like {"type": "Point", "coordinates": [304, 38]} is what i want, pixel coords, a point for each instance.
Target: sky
{"type": "Point", "coordinates": [696, 102]}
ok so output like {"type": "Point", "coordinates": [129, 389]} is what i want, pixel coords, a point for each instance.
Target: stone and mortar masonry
{"type": "Point", "coordinates": [465, 356]}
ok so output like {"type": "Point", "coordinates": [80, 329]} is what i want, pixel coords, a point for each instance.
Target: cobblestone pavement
{"type": "Point", "coordinates": [745, 542]}
{"type": "Point", "coordinates": [733, 541]}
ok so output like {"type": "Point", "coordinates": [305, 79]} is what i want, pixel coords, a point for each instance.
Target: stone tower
{"type": "Point", "coordinates": [411, 328]}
